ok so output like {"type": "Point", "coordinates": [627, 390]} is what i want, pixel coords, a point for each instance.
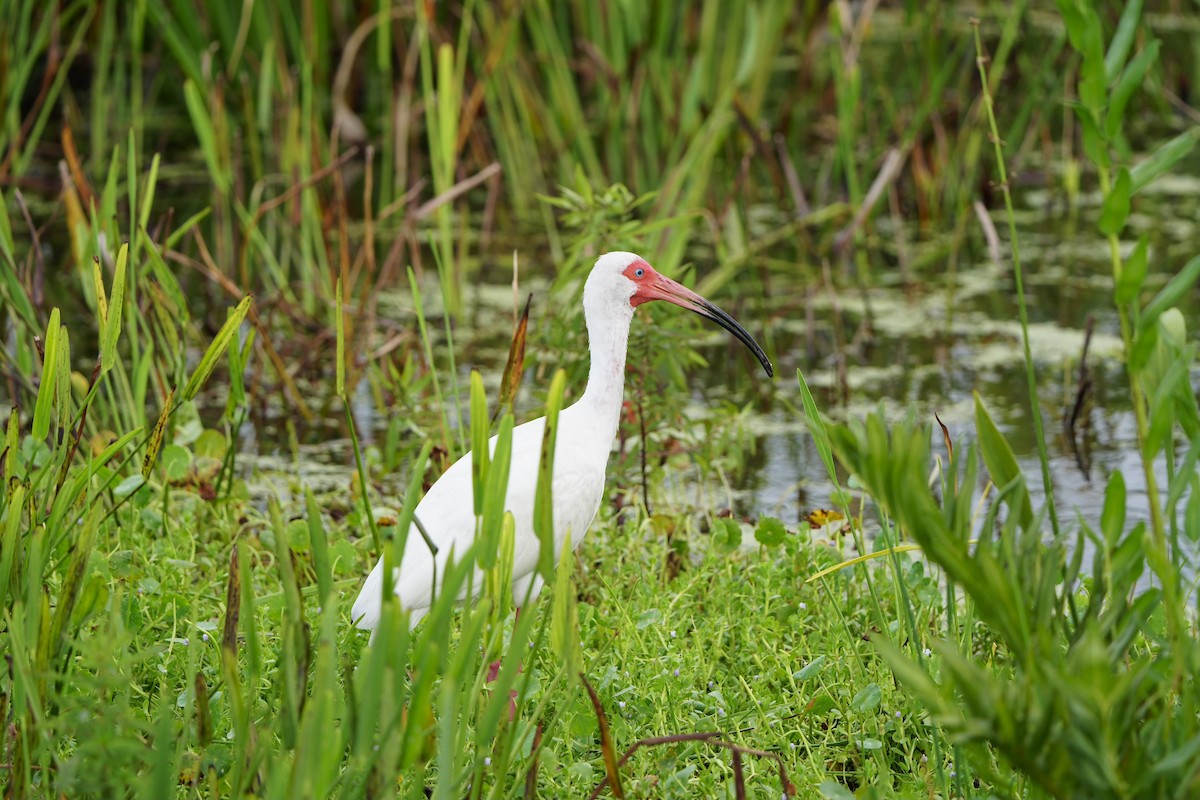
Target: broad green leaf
{"type": "Point", "coordinates": [1163, 159]}
{"type": "Point", "coordinates": [62, 383]}
{"type": "Point", "coordinates": [10, 541]}
{"type": "Point", "coordinates": [770, 532]}
{"type": "Point", "coordinates": [217, 348]}
{"type": "Point", "coordinates": [112, 322]}
{"type": "Point", "coordinates": [1131, 79]}
{"type": "Point", "coordinates": [499, 582]}
{"type": "Point", "coordinates": [1122, 40]}
{"type": "Point", "coordinates": [1095, 144]}
{"type": "Point", "coordinates": [1087, 38]}
{"type": "Point", "coordinates": [1144, 341]}
{"type": "Point", "coordinates": [176, 461]}
{"type": "Point", "coordinates": [867, 699]}
{"type": "Point", "coordinates": [810, 670]}
{"type": "Point", "coordinates": [320, 550]}
{"type": "Point", "coordinates": [1133, 273]}
{"type": "Point", "coordinates": [495, 490]}
{"type": "Point", "coordinates": [832, 790]}
{"type": "Point", "coordinates": [1116, 205]}
{"type": "Point", "coordinates": [1162, 405]}
{"type": "Point", "coordinates": [999, 458]}
{"type": "Point", "coordinates": [726, 535]}
{"type": "Point", "coordinates": [128, 486]}
{"type": "Point", "coordinates": [44, 405]}
{"type": "Point", "coordinates": [101, 295]}
{"type": "Point", "coordinates": [543, 506]}
{"type": "Point", "coordinates": [564, 628]}
{"type": "Point", "coordinates": [816, 426]}
{"type": "Point", "coordinates": [651, 616]}
{"type": "Point", "coordinates": [1171, 294]}
{"type": "Point", "coordinates": [1075, 23]}
{"type": "Point", "coordinates": [1112, 518]}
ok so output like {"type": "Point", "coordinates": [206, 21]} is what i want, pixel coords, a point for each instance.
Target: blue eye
{"type": "Point", "coordinates": [639, 272]}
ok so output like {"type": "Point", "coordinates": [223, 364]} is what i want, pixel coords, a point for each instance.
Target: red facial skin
{"type": "Point", "coordinates": [650, 285]}
{"type": "Point", "coordinates": [653, 286]}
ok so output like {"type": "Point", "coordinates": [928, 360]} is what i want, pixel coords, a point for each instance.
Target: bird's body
{"type": "Point", "coordinates": [583, 443]}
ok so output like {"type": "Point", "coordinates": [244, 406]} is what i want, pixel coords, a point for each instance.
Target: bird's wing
{"type": "Point", "coordinates": [447, 512]}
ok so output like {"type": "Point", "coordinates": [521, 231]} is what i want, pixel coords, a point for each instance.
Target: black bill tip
{"type": "Point", "coordinates": [709, 311]}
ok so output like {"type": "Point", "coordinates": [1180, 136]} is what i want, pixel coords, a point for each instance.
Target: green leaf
{"type": "Point", "coordinates": [1162, 405]}
{"type": "Point", "coordinates": [867, 699]}
{"type": "Point", "coordinates": [816, 427]}
{"type": "Point", "coordinates": [340, 327]}
{"type": "Point", "coordinates": [1133, 273]}
{"type": "Point", "coordinates": [202, 125]}
{"type": "Point", "coordinates": [101, 296]}
{"type": "Point", "coordinates": [543, 505]}
{"type": "Point", "coordinates": [320, 547]}
{"type": "Point", "coordinates": [651, 616]}
{"type": "Point", "coordinates": [480, 429]}
{"type": "Point", "coordinates": [1171, 294]}
{"type": "Point", "coordinates": [832, 790]}
{"type": "Point", "coordinates": [999, 458]}
{"type": "Point", "coordinates": [176, 460]}
{"type": "Point", "coordinates": [62, 383]}
{"type": "Point", "coordinates": [1112, 518]}
{"type": "Point", "coordinates": [112, 321]}
{"type": "Point", "coordinates": [1074, 21]}
{"type": "Point", "coordinates": [1131, 79]}
{"type": "Point", "coordinates": [1095, 144]}
{"type": "Point", "coordinates": [12, 438]}
{"type": "Point", "coordinates": [564, 628]}
{"type": "Point", "coordinates": [44, 405]}
{"type": "Point", "coordinates": [156, 436]}
{"type": "Point", "coordinates": [495, 489]}
{"type": "Point", "coordinates": [770, 532]}
{"type": "Point", "coordinates": [211, 444]}
{"type": "Point", "coordinates": [1116, 205]}
{"type": "Point", "coordinates": [726, 535]}
{"type": "Point", "coordinates": [217, 349]}
{"type": "Point", "coordinates": [1087, 38]}
{"type": "Point", "coordinates": [1122, 40]}
{"type": "Point", "coordinates": [9, 541]}
{"type": "Point", "coordinates": [129, 486]}
{"type": "Point", "coordinates": [1163, 159]}
{"type": "Point", "coordinates": [810, 670]}
{"type": "Point", "coordinates": [820, 705]}
{"type": "Point", "coordinates": [1144, 341]}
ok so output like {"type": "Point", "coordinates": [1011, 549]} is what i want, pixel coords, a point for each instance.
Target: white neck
{"type": "Point", "coordinates": [608, 337]}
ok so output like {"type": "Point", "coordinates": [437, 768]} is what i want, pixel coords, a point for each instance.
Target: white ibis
{"type": "Point", "coordinates": [618, 283]}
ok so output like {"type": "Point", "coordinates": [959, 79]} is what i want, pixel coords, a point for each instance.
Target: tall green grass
{"type": "Point", "coordinates": [1082, 684]}
{"type": "Point", "coordinates": [168, 635]}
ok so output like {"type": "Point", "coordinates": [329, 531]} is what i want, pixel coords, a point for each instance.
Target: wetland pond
{"type": "Point", "coordinates": [923, 335]}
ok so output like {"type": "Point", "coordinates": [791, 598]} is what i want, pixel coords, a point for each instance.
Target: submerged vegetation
{"type": "Point", "coordinates": [236, 236]}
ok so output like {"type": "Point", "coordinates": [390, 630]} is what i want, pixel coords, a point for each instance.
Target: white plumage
{"type": "Point", "coordinates": [617, 284]}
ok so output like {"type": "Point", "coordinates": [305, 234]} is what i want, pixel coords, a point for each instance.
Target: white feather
{"type": "Point", "coordinates": [584, 440]}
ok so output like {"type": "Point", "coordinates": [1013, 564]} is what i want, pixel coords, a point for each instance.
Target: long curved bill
{"type": "Point", "coordinates": [661, 287]}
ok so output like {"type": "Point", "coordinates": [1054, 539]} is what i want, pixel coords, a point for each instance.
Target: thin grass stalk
{"type": "Point", "coordinates": [1018, 276]}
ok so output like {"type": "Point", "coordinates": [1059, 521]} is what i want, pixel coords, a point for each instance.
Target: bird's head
{"type": "Point", "coordinates": [620, 282]}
